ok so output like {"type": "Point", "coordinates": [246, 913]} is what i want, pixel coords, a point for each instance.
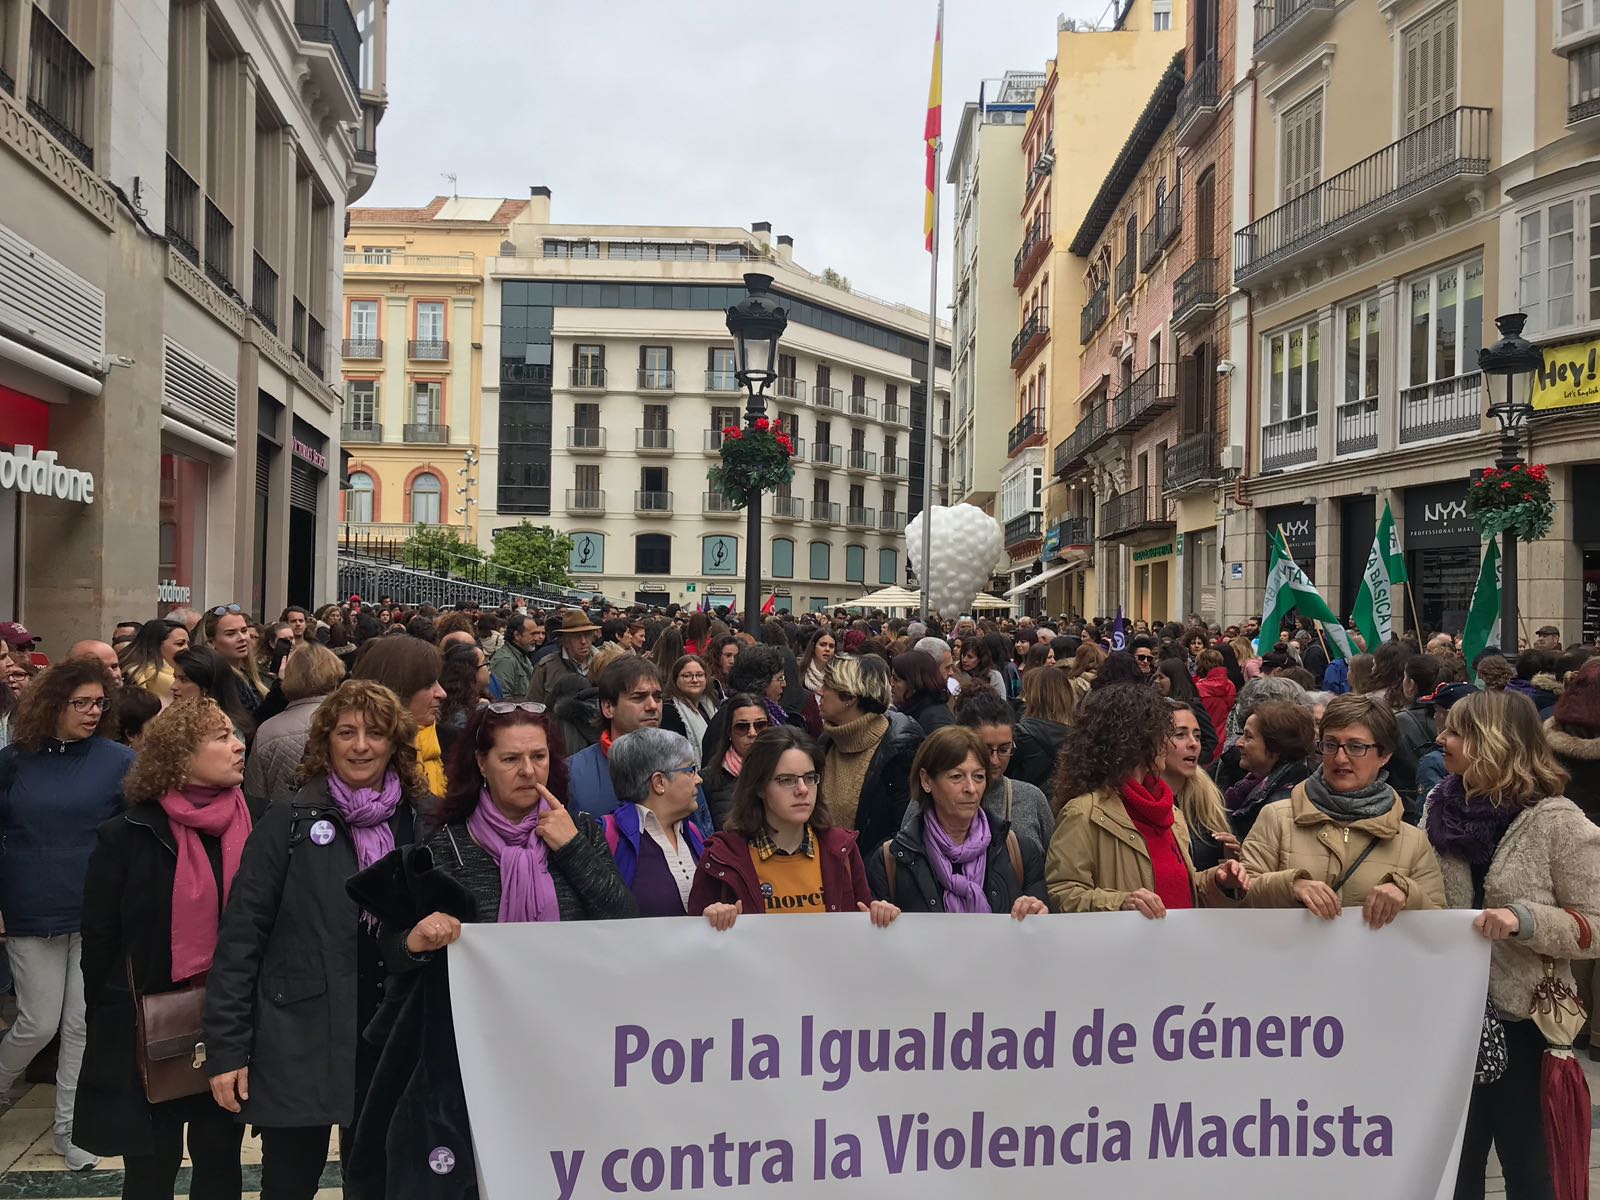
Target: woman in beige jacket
{"type": "Point", "coordinates": [1341, 838]}
{"type": "Point", "coordinates": [1121, 842]}
{"type": "Point", "coordinates": [1513, 846]}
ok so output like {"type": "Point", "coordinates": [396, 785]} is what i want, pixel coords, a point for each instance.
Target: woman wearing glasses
{"type": "Point", "coordinates": [228, 632]}
{"type": "Point", "coordinates": [58, 782]}
{"type": "Point", "coordinates": [688, 709]}
{"type": "Point", "coordinates": [732, 733]}
{"type": "Point", "coordinates": [655, 842]}
{"type": "Point", "coordinates": [780, 851]}
{"type": "Point", "coordinates": [1341, 837]}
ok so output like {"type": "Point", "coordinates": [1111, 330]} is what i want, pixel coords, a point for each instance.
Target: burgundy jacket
{"type": "Point", "coordinates": [727, 874]}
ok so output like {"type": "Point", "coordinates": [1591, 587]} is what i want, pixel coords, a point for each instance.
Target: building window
{"type": "Point", "coordinates": [821, 560]}
{"type": "Point", "coordinates": [1550, 245]}
{"type": "Point", "coordinates": [1361, 341]}
{"type": "Point", "coordinates": [652, 554]}
{"type": "Point", "coordinates": [361, 403]}
{"type": "Point", "coordinates": [1578, 16]}
{"type": "Point", "coordinates": [888, 566]}
{"type": "Point", "coordinates": [363, 320]}
{"type": "Point", "coordinates": [427, 404]}
{"type": "Point", "coordinates": [1161, 15]}
{"type": "Point", "coordinates": [1294, 361]}
{"type": "Point", "coordinates": [367, 27]}
{"type": "Point", "coordinates": [430, 323]}
{"type": "Point", "coordinates": [426, 491]}
{"type": "Point", "coordinates": [855, 564]}
{"type": "Point", "coordinates": [555, 248]}
{"type": "Point", "coordinates": [588, 358]}
{"type": "Point", "coordinates": [358, 501]}
{"type": "Point", "coordinates": [783, 558]}
{"type": "Point", "coordinates": [1446, 315]}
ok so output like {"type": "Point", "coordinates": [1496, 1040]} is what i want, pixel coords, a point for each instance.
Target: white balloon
{"type": "Point", "coordinates": [966, 543]}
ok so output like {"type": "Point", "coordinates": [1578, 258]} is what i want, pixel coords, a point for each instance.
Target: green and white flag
{"type": "Point", "coordinates": [1288, 588]}
{"type": "Point", "coordinates": [1381, 584]}
{"type": "Point", "coordinates": [1483, 618]}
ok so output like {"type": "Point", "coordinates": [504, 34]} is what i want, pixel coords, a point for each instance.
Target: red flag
{"type": "Point", "coordinates": [770, 606]}
{"type": "Point", "coordinates": [930, 130]}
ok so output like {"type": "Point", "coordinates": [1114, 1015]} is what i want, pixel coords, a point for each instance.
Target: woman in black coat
{"type": "Point", "coordinates": [299, 970]}
{"type": "Point", "coordinates": [191, 766]}
{"type": "Point", "coordinates": [1047, 702]}
{"type": "Point", "coordinates": [919, 690]}
{"type": "Point", "coordinates": [730, 736]}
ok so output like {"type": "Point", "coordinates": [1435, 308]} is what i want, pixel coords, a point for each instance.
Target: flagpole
{"type": "Point", "coordinates": [925, 575]}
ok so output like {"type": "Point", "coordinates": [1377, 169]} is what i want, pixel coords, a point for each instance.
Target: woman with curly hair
{"type": "Point", "coordinates": [58, 783]}
{"type": "Point", "coordinates": [299, 969]}
{"type": "Point", "coordinates": [160, 874]}
{"type": "Point", "coordinates": [1120, 842]}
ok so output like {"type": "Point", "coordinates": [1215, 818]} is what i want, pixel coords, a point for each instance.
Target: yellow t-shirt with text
{"type": "Point", "coordinates": [790, 883]}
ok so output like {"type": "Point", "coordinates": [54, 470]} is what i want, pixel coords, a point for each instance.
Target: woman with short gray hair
{"type": "Point", "coordinates": [656, 774]}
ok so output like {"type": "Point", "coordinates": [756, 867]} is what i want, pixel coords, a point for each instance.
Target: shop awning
{"type": "Point", "coordinates": [983, 601]}
{"type": "Point", "coordinates": [1039, 580]}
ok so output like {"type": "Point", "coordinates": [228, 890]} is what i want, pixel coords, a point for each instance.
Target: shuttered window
{"type": "Point", "coordinates": [1428, 91]}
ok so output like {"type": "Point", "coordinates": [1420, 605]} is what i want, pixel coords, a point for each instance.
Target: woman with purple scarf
{"type": "Point", "coordinates": [299, 969]}
{"type": "Point", "coordinates": [957, 858]}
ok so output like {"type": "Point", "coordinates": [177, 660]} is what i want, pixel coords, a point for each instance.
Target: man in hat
{"type": "Point", "coordinates": [15, 636]}
{"type": "Point", "coordinates": [576, 647]}
{"type": "Point", "coordinates": [1548, 637]}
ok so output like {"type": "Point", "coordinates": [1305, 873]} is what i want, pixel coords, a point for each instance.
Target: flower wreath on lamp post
{"type": "Point", "coordinates": [754, 460]}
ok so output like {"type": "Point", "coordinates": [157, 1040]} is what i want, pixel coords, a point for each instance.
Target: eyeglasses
{"type": "Point", "coordinates": [1352, 749]}
{"type": "Point", "coordinates": [751, 726]}
{"type": "Point", "coordinates": [669, 772]}
{"type": "Point", "coordinates": [790, 782]}
{"type": "Point", "coordinates": [1005, 751]}
{"type": "Point", "coordinates": [692, 677]}
{"type": "Point", "coordinates": [501, 707]}
{"type": "Point", "coordinates": [85, 704]}
{"type": "Point", "coordinates": [1148, 658]}
{"type": "Point", "coordinates": [223, 610]}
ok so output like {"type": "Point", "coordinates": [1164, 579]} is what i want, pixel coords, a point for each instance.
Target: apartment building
{"type": "Point", "coordinates": [414, 363]}
{"type": "Point", "coordinates": [1097, 83]}
{"type": "Point", "coordinates": [176, 177]}
{"type": "Point", "coordinates": [985, 170]}
{"type": "Point", "coordinates": [1453, 186]}
{"type": "Point", "coordinates": [610, 378]}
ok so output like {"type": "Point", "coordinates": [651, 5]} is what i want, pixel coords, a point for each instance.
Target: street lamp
{"type": "Point", "coordinates": [1514, 359]}
{"type": "Point", "coordinates": [756, 322]}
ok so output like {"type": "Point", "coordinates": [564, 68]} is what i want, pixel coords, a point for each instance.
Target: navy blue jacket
{"type": "Point", "coordinates": [590, 790]}
{"type": "Point", "coordinates": [52, 804]}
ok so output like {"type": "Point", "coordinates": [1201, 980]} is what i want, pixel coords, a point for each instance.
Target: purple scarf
{"type": "Point", "coordinates": [776, 713]}
{"type": "Point", "coordinates": [527, 890]}
{"type": "Point", "coordinates": [367, 812]}
{"type": "Point", "coordinates": [1466, 828]}
{"type": "Point", "coordinates": [1238, 795]}
{"type": "Point", "coordinates": [953, 865]}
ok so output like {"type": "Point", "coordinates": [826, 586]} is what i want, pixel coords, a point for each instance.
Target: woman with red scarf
{"type": "Point", "coordinates": [1120, 841]}
{"type": "Point", "coordinates": [160, 873]}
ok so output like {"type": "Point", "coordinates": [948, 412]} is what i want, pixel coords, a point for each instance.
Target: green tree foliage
{"type": "Point", "coordinates": [833, 279]}
{"type": "Point", "coordinates": [441, 546]}
{"type": "Point", "coordinates": [536, 553]}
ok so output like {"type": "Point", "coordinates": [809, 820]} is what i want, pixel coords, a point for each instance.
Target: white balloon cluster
{"type": "Point", "coordinates": [966, 543]}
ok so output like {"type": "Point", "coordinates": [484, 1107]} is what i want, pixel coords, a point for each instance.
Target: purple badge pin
{"type": "Point", "coordinates": [442, 1160]}
{"type": "Point", "coordinates": [322, 832]}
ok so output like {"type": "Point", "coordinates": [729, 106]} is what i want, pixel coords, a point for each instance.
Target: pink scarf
{"type": "Point", "coordinates": [192, 811]}
{"type": "Point", "coordinates": [527, 891]}
{"type": "Point", "coordinates": [731, 762]}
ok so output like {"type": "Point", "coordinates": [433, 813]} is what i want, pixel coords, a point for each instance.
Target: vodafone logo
{"type": "Point", "coordinates": [20, 471]}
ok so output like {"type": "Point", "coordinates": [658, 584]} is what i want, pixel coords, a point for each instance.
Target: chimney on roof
{"type": "Point", "coordinates": [538, 210]}
{"type": "Point", "coordinates": [763, 233]}
{"type": "Point", "coordinates": [785, 248]}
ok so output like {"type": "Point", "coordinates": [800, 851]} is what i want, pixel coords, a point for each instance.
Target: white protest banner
{"type": "Point", "coordinates": [1206, 1055]}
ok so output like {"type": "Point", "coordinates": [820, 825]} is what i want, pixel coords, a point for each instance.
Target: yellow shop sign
{"type": "Point", "coordinates": [1569, 377]}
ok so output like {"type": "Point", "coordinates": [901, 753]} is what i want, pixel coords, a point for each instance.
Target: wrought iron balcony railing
{"type": "Point", "coordinates": [1031, 335]}
{"type": "Point", "coordinates": [1031, 426]}
{"type": "Point", "coordinates": [1192, 461]}
{"type": "Point", "coordinates": [1025, 528]}
{"type": "Point", "coordinates": [362, 348]}
{"type": "Point", "coordinates": [427, 432]}
{"type": "Point", "coordinates": [61, 92]}
{"type": "Point", "coordinates": [219, 247]}
{"type": "Point", "coordinates": [1442, 408]}
{"type": "Point", "coordinates": [1195, 292]}
{"type": "Point", "coordinates": [183, 205]}
{"type": "Point", "coordinates": [1094, 312]}
{"type": "Point", "coordinates": [264, 292]}
{"type": "Point", "coordinates": [1159, 233]}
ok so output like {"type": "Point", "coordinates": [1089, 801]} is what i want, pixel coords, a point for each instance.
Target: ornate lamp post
{"type": "Point", "coordinates": [1514, 359]}
{"type": "Point", "coordinates": [756, 322]}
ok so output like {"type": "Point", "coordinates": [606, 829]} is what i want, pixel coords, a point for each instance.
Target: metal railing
{"type": "Point", "coordinates": [826, 453]}
{"type": "Point", "coordinates": [427, 349]}
{"type": "Point", "coordinates": [1091, 429]}
{"type": "Point", "coordinates": [297, 328]}
{"type": "Point", "coordinates": [825, 512]}
{"type": "Point", "coordinates": [1274, 18]}
{"type": "Point", "coordinates": [1026, 528]}
{"type": "Point", "coordinates": [789, 508]}
{"type": "Point", "coordinates": [586, 437]}
{"type": "Point", "coordinates": [1440, 409]}
{"type": "Point", "coordinates": [219, 247]}
{"type": "Point", "coordinates": [718, 504]}
{"type": "Point", "coordinates": [712, 443]}
{"type": "Point", "coordinates": [316, 347]}
{"type": "Point", "coordinates": [361, 432]}
{"type": "Point", "coordinates": [1031, 333]}
{"type": "Point", "coordinates": [362, 348]}
{"type": "Point", "coordinates": [827, 397]}
{"type": "Point", "coordinates": [332, 22]}
{"type": "Point", "coordinates": [1031, 425]}
{"type": "Point", "coordinates": [862, 460]}
{"type": "Point", "coordinates": [894, 465]}
{"type": "Point", "coordinates": [787, 388]}
{"type": "Point", "coordinates": [264, 291]}
{"type": "Point", "coordinates": [1191, 461]}
{"type": "Point", "coordinates": [1152, 392]}
{"type": "Point", "coordinates": [1199, 95]}
{"type": "Point", "coordinates": [426, 432]}
{"type": "Point", "coordinates": [585, 500]}
{"type": "Point", "coordinates": [651, 379]}
{"type": "Point", "coordinates": [895, 413]}
{"type": "Point", "coordinates": [7, 84]}
{"type": "Point", "coordinates": [1076, 531]}
{"type": "Point", "coordinates": [183, 202]}
{"type": "Point", "coordinates": [588, 377]}
{"type": "Point", "coordinates": [1125, 273]}
{"type": "Point", "coordinates": [1094, 313]}
{"type": "Point", "coordinates": [722, 381]}
{"type": "Point", "coordinates": [400, 262]}
{"type": "Point", "coordinates": [366, 134]}
{"type": "Point", "coordinates": [1158, 233]}
{"type": "Point", "coordinates": [891, 521]}
{"type": "Point", "coordinates": [653, 440]}
{"type": "Point", "coordinates": [1038, 234]}
{"type": "Point", "coordinates": [1456, 144]}
{"type": "Point", "coordinates": [1195, 290]}
{"type": "Point", "coordinates": [1043, 164]}
{"type": "Point", "coordinates": [1583, 83]}
{"type": "Point", "coordinates": [1132, 510]}
{"type": "Point", "coordinates": [61, 93]}
{"type": "Point", "coordinates": [857, 517]}
{"type": "Point", "coordinates": [1355, 426]}
{"type": "Point", "coordinates": [375, 559]}
{"type": "Point", "coordinates": [1289, 443]}
{"type": "Point", "coordinates": [863, 406]}
{"type": "Point", "coordinates": [652, 502]}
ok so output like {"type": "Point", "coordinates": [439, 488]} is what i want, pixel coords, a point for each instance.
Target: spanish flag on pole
{"type": "Point", "coordinates": [930, 130]}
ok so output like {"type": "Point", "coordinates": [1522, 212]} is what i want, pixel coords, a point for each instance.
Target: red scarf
{"type": "Point", "coordinates": [605, 743]}
{"type": "Point", "coordinates": [1149, 804]}
{"type": "Point", "coordinates": [221, 813]}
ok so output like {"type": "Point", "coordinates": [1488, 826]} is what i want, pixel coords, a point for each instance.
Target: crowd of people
{"type": "Point", "coordinates": [289, 823]}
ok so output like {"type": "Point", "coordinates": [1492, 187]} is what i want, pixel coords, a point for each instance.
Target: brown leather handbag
{"type": "Point", "coordinates": [168, 1042]}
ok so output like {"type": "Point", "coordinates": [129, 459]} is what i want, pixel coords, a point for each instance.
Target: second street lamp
{"type": "Point", "coordinates": [1512, 359]}
{"type": "Point", "coordinates": [756, 322]}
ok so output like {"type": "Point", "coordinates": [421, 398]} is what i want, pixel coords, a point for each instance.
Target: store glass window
{"type": "Point", "coordinates": [182, 533]}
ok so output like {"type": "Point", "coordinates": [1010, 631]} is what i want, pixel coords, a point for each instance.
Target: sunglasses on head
{"type": "Point", "coordinates": [223, 610]}
{"type": "Point", "coordinates": [501, 707]}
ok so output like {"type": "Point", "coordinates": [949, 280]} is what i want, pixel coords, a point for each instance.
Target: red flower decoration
{"type": "Point", "coordinates": [1487, 471]}
{"type": "Point", "coordinates": [1505, 485]}
{"type": "Point", "coordinates": [1516, 466]}
{"type": "Point", "coordinates": [1527, 495]}
{"type": "Point", "coordinates": [733, 435]}
{"type": "Point", "coordinates": [762, 422]}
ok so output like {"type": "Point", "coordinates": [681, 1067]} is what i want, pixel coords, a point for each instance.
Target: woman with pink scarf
{"type": "Point", "coordinates": [160, 874]}
{"type": "Point", "coordinates": [729, 737]}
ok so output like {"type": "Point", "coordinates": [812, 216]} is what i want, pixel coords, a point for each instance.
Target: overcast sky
{"type": "Point", "coordinates": [702, 112]}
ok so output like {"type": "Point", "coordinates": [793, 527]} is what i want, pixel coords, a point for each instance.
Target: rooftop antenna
{"type": "Point", "coordinates": [450, 175]}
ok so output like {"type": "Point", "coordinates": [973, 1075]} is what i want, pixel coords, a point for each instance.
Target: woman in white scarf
{"type": "Point", "coordinates": [689, 707]}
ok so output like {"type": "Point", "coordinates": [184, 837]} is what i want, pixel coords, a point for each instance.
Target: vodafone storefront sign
{"type": "Point", "coordinates": [23, 471]}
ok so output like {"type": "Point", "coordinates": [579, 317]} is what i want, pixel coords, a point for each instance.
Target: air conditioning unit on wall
{"type": "Point", "coordinates": [1232, 458]}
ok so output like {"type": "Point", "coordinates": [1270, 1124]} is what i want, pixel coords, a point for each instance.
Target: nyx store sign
{"type": "Point", "coordinates": [1436, 515]}
{"type": "Point", "coordinates": [1299, 525]}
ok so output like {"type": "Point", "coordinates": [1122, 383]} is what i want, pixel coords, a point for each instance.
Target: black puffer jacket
{"type": "Point", "coordinates": [930, 711]}
{"type": "Point", "coordinates": [886, 788]}
{"type": "Point", "coordinates": [1038, 746]}
{"type": "Point", "coordinates": [917, 890]}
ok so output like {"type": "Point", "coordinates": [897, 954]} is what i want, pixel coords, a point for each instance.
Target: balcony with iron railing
{"type": "Point", "coordinates": [1153, 392]}
{"type": "Point", "coordinates": [297, 328]}
{"type": "Point", "coordinates": [7, 84]}
{"type": "Point", "coordinates": [361, 431]}
{"type": "Point", "coordinates": [1441, 409]}
{"type": "Point", "coordinates": [826, 512]}
{"type": "Point", "coordinates": [331, 23]}
{"type": "Point", "coordinates": [862, 406]}
{"type": "Point", "coordinates": [895, 413]}
{"type": "Point", "coordinates": [1289, 443]}
{"type": "Point", "coordinates": [1192, 462]}
{"type": "Point", "coordinates": [1030, 338]}
{"type": "Point", "coordinates": [316, 347]}
{"type": "Point", "coordinates": [1583, 83]}
{"type": "Point", "coordinates": [653, 441]}
{"type": "Point", "coordinates": [785, 387]}
{"type": "Point", "coordinates": [1043, 164]}
{"type": "Point", "coordinates": [715, 504]}
{"type": "Point", "coordinates": [264, 292]}
{"type": "Point", "coordinates": [1075, 531]}
{"type": "Point", "coordinates": [862, 461]}
{"type": "Point", "coordinates": [1284, 25]}
{"type": "Point", "coordinates": [1197, 104]}
{"type": "Point", "coordinates": [1419, 173]}
{"type": "Point", "coordinates": [826, 454]}
{"type": "Point", "coordinates": [827, 397]}
{"type": "Point", "coordinates": [890, 521]}
{"type": "Point", "coordinates": [219, 247]}
{"type": "Point", "coordinates": [428, 350]}
{"type": "Point", "coordinates": [1026, 528]}
{"type": "Point", "coordinates": [1035, 248]}
{"type": "Point", "coordinates": [61, 90]}
{"type": "Point", "coordinates": [587, 379]}
{"type": "Point", "coordinates": [586, 500]}
{"type": "Point", "coordinates": [1094, 312]}
{"type": "Point", "coordinates": [1135, 511]}
{"type": "Point", "coordinates": [1355, 426]}
{"type": "Point", "coordinates": [1195, 295]}
{"type": "Point", "coordinates": [651, 379]}
{"type": "Point", "coordinates": [894, 465]}
{"type": "Point", "coordinates": [586, 439]}
{"type": "Point", "coordinates": [426, 433]}
{"type": "Point", "coordinates": [183, 211]}
{"type": "Point", "coordinates": [365, 348]}
{"type": "Point", "coordinates": [652, 503]}
{"type": "Point", "coordinates": [858, 517]}
{"type": "Point", "coordinates": [1073, 453]}
{"type": "Point", "coordinates": [788, 508]}
{"type": "Point", "coordinates": [1126, 272]}
{"type": "Point", "coordinates": [366, 133]}
{"type": "Point", "coordinates": [1159, 233]}
{"type": "Point", "coordinates": [1030, 431]}
{"type": "Point", "coordinates": [722, 381]}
